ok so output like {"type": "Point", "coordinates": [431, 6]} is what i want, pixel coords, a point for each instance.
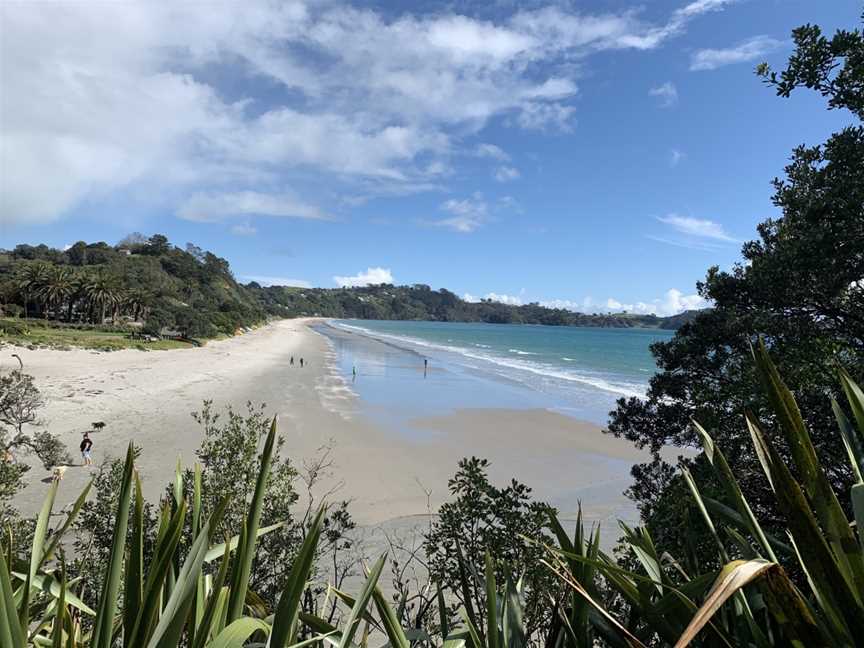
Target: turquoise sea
{"type": "Point", "coordinates": [577, 371]}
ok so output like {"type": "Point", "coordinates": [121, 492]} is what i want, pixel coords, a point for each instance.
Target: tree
{"type": "Point", "coordinates": [133, 241]}
{"type": "Point", "coordinates": [481, 518]}
{"type": "Point", "coordinates": [77, 254]}
{"type": "Point", "coordinates": [157, 245]}
{"type": "Point", "coordinates": [137, 302]}
{"type": "Point", "coordinates": [229, 464]}
{"type": "Point", "coordinates": [58, 287]}
{"type": "Point", "coordinates": [799, 285]}
{"type": "Point", "coordinates": [20, 402]}
{"type": "Point", "coordinates": [31, 281]}
{"type": "Point", "coordinates": [101, 291]}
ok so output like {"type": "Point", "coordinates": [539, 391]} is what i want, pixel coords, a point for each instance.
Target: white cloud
{"type": "Point", "coordinates": [541, 116]}
{"type": "Point", "coordinates": [371, 277]}
{"type": "Point", "coordinates": [675, 157]}
{"type": "Point", "coordinates": [244, 229]}
{"type": "Point", "coordinates": [507, 173]}
{"type": "Point", "coordinates": [214, 207]}
{"type": "Point", "coordinates": [277, 281]}
{"type": "Point", "coordinates": [696, 227]}
{"type": "Point", "coordinates": [676, 302]}
{"type": "Point", "coordinates": [672, 303]}
{"type": "Point", "coordinates": [510, 300]}
{"type": "Point", "coordinates": [468, 214]}
{"type": "Point", "coordinates": [748, 50]}
{"type": "Point", "coordinates": [491, 151]}
{"type": "Point", "coordinates": [567, 304]}
{"type": "Point", "coordinates": [102, 98]}
{"type": "Point", "coordinates": [667, 93]}
{"type": "Point", "coordinates": [699, 7]}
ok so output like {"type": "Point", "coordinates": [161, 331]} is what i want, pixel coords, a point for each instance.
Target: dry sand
{"type": "Point", "coordinates": [148, 398]}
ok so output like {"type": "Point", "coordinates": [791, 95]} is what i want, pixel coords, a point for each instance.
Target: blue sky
{"type": "Point", "coordinates": [599, 155]}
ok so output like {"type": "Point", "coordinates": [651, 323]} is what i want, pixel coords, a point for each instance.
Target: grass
{"type": "Point", "coordinates": [39, 333]}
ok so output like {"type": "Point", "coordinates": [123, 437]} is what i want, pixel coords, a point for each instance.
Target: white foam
{"type": "Point", "coordinates": [538, 369]}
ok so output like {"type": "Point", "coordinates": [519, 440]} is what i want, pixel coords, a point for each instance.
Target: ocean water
{"type": "Point", "coordinates": [578, 371]}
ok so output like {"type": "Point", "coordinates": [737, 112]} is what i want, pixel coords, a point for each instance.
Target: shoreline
{"type": "Point", "coordinates": [148, 398]}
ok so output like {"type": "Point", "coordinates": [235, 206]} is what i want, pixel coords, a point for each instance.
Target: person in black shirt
{"type": "Point", "coordinates": [86, 444]}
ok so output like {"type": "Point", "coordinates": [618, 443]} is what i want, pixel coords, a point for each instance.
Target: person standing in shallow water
{"type": "Point", "coordinates": [86, 445]}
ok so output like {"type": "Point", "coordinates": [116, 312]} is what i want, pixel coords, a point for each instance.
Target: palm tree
{"type": "Point", "coordinates": [31, 279]}
{"type": "Point", "coordinates": [100, 289]}
{"type": "Point", "coordinates": [137, 302]}
{"type": "Point", "coordinates": [58, 286]}
{"type": "Point", "coordinates": [79, 282]}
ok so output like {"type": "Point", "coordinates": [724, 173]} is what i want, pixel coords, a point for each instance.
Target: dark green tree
{"type": "Point", "coordinates": [482, 517]}
{"type": "Point", "coordinates": [20, 403]}
{"type": "Point", "coordinates": [799, 285]}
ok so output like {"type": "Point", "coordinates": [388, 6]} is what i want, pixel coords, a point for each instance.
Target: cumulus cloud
{"type": "Point", "coordinates": [214, 207]}
{"type": "Point", "coordinates": [104, 98]}
{"type": "Point", "coordinates": [277, 281]}
{"type": "Point", "coordinates": [370, 277]}
{"type": "Point", "coordinates": [467, 214]}
{"type": "Point", "coordinates": [697, 227]}
{"type": "Point", "coordinates": [672, 303]}
{"type": "Point", "coordinates": [566, 304]}
{"type": "Point", "coordinates": [507, 173]}
{"type": "Point", "coordinates": [510, 300]}
{"type": "Point", "coordinates": [748, 50]}
{"type": "Point", "coordinates": [244, 229]}
{"type": "Point", "coordinates": [491, 151]}
{"type": "Point", "coordinates": [667, 94]}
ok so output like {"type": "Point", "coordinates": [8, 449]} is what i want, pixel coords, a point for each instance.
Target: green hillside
{"type": "Point", "coordinates": [146, 288]}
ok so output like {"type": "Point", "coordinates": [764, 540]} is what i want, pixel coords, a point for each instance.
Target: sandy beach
{"type": "Point", "coordinates": [148, 397]}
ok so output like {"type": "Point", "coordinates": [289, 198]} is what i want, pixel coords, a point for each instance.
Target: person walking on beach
{"type": "Point", "coordinates": [86, 445]}
{"type": "Point", "coordinates": [353, 373]}
{"type": "Point", "coordinates": [425, 366]}
{"type": "Point", "coordinates": [301, 363]}
{"type": "Point", "coordinates": [292, 361]}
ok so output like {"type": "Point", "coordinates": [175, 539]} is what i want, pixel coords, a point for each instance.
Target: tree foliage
{"type": "Point", "coordinates": [481, 518]}
{"type": "Point", "coordinates": [153, 286]}
{"type": "Point", "coordinates": [799, 285]}
{"type": "Point", "coordinates": [20, 402]}
{"type": "Point", "coordinates": [420, 302]}
{"type": "Point", "coordinates": [143, 282]}
{"type": "Point", "coordinates": [228, 465]}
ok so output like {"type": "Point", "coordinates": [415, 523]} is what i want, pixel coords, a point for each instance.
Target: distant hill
{"type": "Point", "coordinates": [139, 283]}
{"type": "Point", "coordinates": [150, 285]}
{"type": "Point", "coordinates": [420, 302]}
